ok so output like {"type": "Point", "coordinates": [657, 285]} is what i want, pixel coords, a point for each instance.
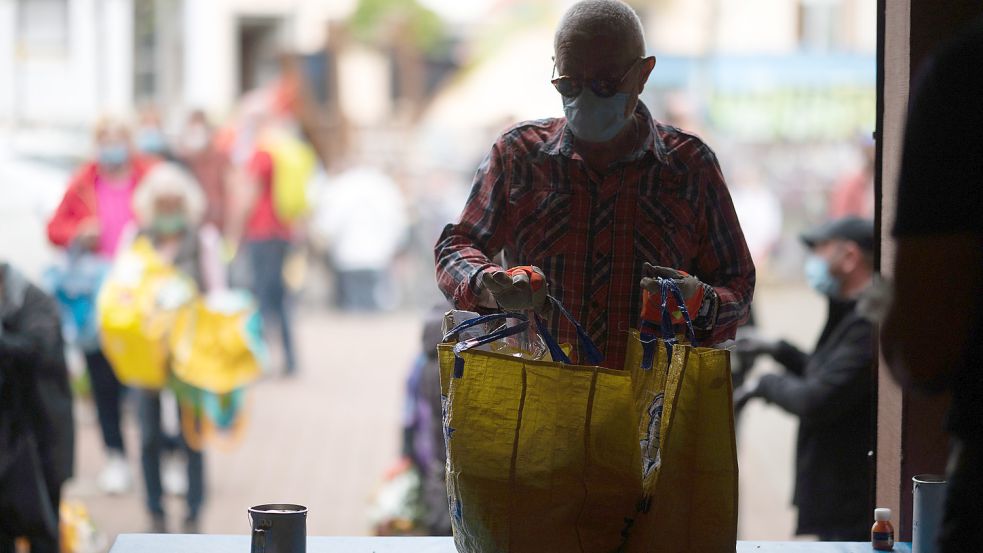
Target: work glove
{"type": "Point", "coordinates": [690, 287]}
{"type": "Point", "coordinates": [754, 346]}
{"type": "Point", "coordinates": [517, 289]}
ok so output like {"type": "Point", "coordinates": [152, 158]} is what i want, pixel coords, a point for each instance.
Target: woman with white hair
{"type": "Point", "coordinates": [169, 208]}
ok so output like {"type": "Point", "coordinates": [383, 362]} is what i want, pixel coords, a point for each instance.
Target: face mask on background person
{"type": "Point", "coordinates": [113, 156]}
{"type": "Point", "coordinates": [196, 138]}
{"type": "Point", "coordinates": [820, 277]}
{"type": "Point", "coordinates": [151, 141]}
{"type": "Point", "coordinates": [595, 119]}
{"type": "Point", "coordinates": [169, 224]}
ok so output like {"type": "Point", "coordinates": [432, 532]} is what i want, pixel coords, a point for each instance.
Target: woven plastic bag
{"type": "Point", "coordinates": [549, 456]}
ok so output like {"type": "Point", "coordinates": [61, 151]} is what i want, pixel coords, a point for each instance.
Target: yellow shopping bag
{"type": "Point", "coordinates": [217, 350]}
{"type": "Point", "coordinates": [548, 456]}
{"type": "Point", "coordinates": [690, 486]}
{"type": "Point", "coordinates": [216, 344]}
{"type": "Point", "coordinates": [136, 307]}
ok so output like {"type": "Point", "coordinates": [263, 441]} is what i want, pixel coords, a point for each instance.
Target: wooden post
{"type": "Point", "coordinates": [910, 436]}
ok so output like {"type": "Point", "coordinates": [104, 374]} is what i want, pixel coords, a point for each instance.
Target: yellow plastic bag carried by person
{"type": "Point", "coordinates": [217, 350]}
{"type": "Point", "coordinates": [550, 456]}
{"type": "Point", "coordinates": [216, 344]}
{"type": "Point", "coordinates": [293, 165]}
{"type": "Point", "coordinates": [137, 305]}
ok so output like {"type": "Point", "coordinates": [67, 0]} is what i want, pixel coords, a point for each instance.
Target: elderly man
{"type": "Point", "coordinates": [585, 203]}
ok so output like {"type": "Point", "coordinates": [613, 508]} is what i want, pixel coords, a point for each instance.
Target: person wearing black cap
{"type": "Point", "coordinates": [830, 389]}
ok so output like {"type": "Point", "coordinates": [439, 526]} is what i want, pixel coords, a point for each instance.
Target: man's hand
{"type": "Point", "coordinates": [517, 289]}
{"type": "Point", "coordinates": [756, 346]}
{"type": "Point", "coordinates": [88, 233]}
{"type": "Point", "coordinates": [689, 285]}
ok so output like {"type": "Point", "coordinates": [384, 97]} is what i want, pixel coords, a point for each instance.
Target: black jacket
{"type": "Point", "coordinates": [831, 393]}
{"type": "Point", "coordinates": [33, 370]}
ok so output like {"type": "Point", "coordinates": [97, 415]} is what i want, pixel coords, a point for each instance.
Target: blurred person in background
{"type": "Point", "coordinates": [149, 135]}
{"type": "Point", "coordinates": [364, 223]}
{"type": "Point", "coordinates": [209, 165]}
{"type": "Point", "coordinates": [35, 407]}
{"type": "Point", "coordinates": [853, 194]}
{"type": "Point", "coordinates": [424, 430]}
{"type": "Point", "coordinates": [265, 234]}
{"type": "Point", "coordinates": [593, 202]}
{"type": "Point", "coordinates": [170, 210]}
{"type": "Point", "coordinates": [829, 389]}
{"type": "Point", "coordinates": [96, 208]}
{"type": "Point", "coordinates": [933, 336]}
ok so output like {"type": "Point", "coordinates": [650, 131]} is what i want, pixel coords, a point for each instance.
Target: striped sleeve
{"type": "Point", "coordinates": [465, 249]}
{"type": "Point", "coordinates": [724, 260]}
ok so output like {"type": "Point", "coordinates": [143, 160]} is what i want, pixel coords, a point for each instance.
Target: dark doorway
{"type": "Point", "coordinates": [259, 41]}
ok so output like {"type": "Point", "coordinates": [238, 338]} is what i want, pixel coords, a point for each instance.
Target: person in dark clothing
{"type": "Point", "coordinates": [830, 389]}
{"type": "Point", "coordinates": [34, 392]}
{"type": "Point", "coordinates": [933, 336]}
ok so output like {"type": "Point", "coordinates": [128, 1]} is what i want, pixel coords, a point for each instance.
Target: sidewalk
{"type": "Point", "coordinates": [321, 439]}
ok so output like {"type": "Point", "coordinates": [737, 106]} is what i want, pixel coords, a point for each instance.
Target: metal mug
{"type": "Point", "coordinates": [926, 513]}
{"type": "Point", "coordinates": [278, 528]}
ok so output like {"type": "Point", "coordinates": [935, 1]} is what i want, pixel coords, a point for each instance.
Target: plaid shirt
{"type": "Point", "coordinates": [535, 200]}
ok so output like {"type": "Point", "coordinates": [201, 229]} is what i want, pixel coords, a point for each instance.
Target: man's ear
{"type": "Point", "coordinates": [648, 64]}
{"type": "Point", "coordinates": [852, 257]}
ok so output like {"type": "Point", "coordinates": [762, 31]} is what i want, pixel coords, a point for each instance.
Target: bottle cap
{"type": "Point", "coordinates": [882, 514]}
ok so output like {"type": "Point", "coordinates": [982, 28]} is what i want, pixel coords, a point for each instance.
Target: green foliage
{"type": "Point", "coordinates": [377, 21]}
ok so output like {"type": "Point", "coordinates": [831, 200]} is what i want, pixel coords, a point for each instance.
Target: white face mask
{"type": "Point", "coordinates": [196, 138]}
{"type": "Point", "coordinates": [595, 119]}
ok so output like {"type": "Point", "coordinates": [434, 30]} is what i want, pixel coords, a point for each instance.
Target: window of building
{"type": "Point", "coordinates": [42, 27]}
{"type": "Point", "coordinates": [817, 24]}
{"type": "Point", "coordinates": [145, 38]}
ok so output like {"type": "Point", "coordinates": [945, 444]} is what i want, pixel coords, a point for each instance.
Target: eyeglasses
{"type": "Point", "coordinates": [604, 88]}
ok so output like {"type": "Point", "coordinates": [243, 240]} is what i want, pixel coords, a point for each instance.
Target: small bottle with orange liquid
{"type": "Point", "coordinates": [882, 534]}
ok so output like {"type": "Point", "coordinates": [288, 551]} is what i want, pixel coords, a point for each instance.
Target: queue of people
{"type": "Point", "coordinates": [140, 186]}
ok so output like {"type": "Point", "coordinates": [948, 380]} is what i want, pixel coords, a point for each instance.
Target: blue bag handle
{"type": "Point", "coordinates": [465, 345]}
{"type": "Point", "coordinates": [593, 355]}
{"type": "Point", "coordinates": [668, 287]}
{"type": "Point", "coordinates": [480, 320]}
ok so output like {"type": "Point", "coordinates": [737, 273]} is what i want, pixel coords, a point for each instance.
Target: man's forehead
{"type": "Point", "coordinates": [592, 54]}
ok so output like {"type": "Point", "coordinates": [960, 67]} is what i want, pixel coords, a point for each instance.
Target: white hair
{"type": "Point", "coordinates": [168, 179]}
{"type": "Point", "coordinates": [591, 18]}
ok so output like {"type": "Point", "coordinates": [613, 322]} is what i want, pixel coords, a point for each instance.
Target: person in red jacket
{"type": "Point", "coordinates": [95, 209]}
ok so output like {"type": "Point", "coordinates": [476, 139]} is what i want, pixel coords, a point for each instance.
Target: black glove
{"type": "Point", "coordinates": [756, 346]}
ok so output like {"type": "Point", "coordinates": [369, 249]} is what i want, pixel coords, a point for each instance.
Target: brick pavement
{"type": "Point", "coordinates": [321, 439]}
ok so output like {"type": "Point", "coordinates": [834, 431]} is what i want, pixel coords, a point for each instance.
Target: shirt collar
{"type": "Point", "coordinates": [561, 143]}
